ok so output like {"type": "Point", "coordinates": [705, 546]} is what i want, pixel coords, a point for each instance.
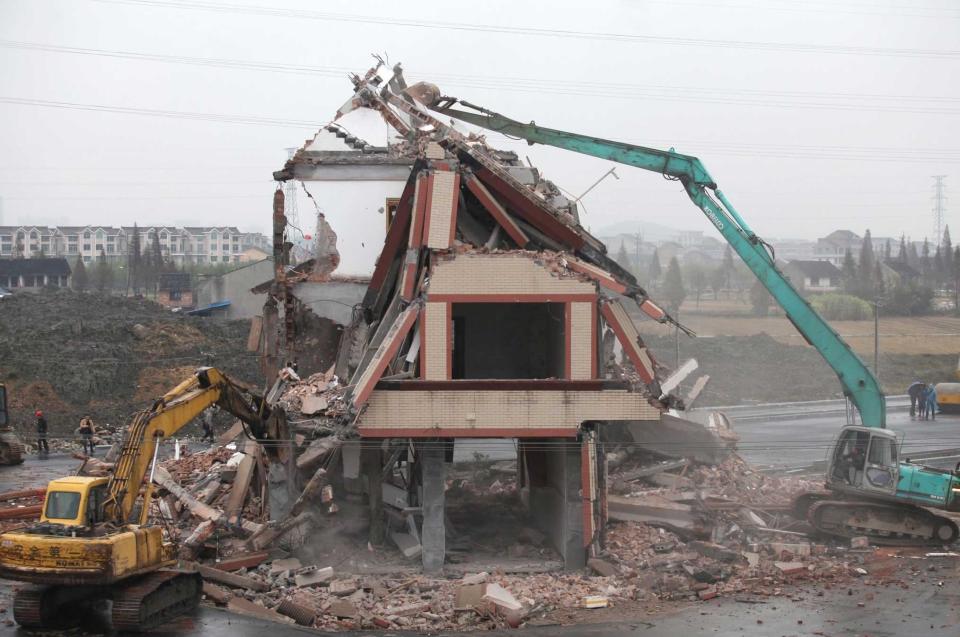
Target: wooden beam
{"type": "Point", "coordinates": [526, 209]}
{"type": "Point", "coordinates": [497, 211]}
{"type": "Point", "coordinates": [241, 482]}
{"type": "Point", "coordinates": [230, 579]}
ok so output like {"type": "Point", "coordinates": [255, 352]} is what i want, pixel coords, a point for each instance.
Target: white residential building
{"type": "Point", "coordinates": [182, 245]}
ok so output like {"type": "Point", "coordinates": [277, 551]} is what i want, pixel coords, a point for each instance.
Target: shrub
{"type": "Point", "coordinates": [841, 307]}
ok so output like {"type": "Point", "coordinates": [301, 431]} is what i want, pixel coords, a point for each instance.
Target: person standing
{"type": "Point", "coordinates": [915, 391]}
{"type": "Point", "coordinates": [206, 421]}
{"type": "Point", "coordinates": [932, 402]}
{"type": "Point", "coordinates": [42, 447]}
{"type": "Point", "coordinates": [86, 435]}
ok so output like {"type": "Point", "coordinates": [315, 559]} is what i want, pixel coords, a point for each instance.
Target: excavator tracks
{"type": "Point", "coordinates": [42, 607]}
{"type": "Point", "coordinates": [884, 524]}
{"type": "Point", "coordinates": [154, 599]}
{"type": "Point", "coordinates": [11, 449]}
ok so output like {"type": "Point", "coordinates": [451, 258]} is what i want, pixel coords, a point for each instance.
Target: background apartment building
{"type": "Point", "coordinates": [182, 245]}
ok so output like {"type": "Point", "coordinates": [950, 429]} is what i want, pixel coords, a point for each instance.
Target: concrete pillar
{"type": "Point", "coordinates": [574, 553]}
{"type": "Point", "coordinates": [556, 502]}
{"type": "Point", "coordinates": [371, 467]}
{"type": "Point", "coordinates": [433, 534]}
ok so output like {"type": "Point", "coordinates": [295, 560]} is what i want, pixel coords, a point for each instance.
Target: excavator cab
{"type": "Point", "coordinates": [75, 501]}
{"type": "Point", "coordinates": [864, 459]}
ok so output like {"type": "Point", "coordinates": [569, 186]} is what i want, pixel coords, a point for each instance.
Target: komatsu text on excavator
{"type": "Point", "coordinates": [94, 540]}
{"type": "Point", "coordinates": [870, 491]}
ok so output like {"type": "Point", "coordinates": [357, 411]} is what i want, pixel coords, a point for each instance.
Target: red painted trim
{"type": "Point", "coordinates": [454, 208]}
{"type": "Point", "coordinates": [512, 298]}
{"type": "Point", "coordinates": [497, 211]}
{"type": "Point", "coordinates": [416, 232]}
{"type": "Point", "coordinates": [604, 278]}
{"type": "Point", "coordinates": [448, 308]}
{"type": "Point", "coordinates": [408, 280]}
{"type": "Point", "coordinates": [427, 204]}
{"type": "Point", "coordinates": [568, 340]}
{"type": "Point", "coordinates": [628, 346]}
{"type": "Point", "coordinates": [465, 432]}
{"type": "Point", "coordinates": [399, 230]}
{"type": "Point", "coordinates": [406, 322]}
{"type": "Point", "coordinates": [501, 385]}
{"type": "Point", "coordinates": [423, 344]}
{"type": "Point", "coordinates": [594, 328]}
{"type": "Point", "coordinates": [652, 310]}
{"type": "Point", "coordinates": [536, 216]}
{"type": "Point", "coordinates": [585, 490]}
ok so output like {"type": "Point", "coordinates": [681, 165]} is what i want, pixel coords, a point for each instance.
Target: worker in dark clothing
{"type": "Point", "coordinates": [206, 421]}
{"type": "Point", "coordinates": [915, 391]}
{"type": "Point", "coordinates": [42, 447]}
{"type": "Point", "coordinates": [86, 434]}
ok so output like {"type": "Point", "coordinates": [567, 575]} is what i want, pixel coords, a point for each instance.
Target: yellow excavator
{"type": "Point", "coordinates": [94, 540]}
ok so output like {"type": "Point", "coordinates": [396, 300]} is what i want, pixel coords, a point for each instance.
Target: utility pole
{"type": "Point", "coordinates": [939, 206]}
{"type": "Point", "coordinates": [637, 241]}
{"type": "Point", "coordinates": [676, 336]}
{"type": "Point", "coordinates": [290, 197]}
{"type": "Point", "coordinates": [876, 337]}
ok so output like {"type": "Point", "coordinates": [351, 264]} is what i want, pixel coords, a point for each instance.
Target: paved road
{"type": "Point", "coordinates": [795, 434]}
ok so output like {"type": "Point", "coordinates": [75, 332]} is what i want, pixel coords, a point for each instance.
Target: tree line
{"type": "Point", "coordinates": [872, 276]}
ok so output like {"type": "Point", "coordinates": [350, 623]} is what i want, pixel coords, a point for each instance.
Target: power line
{"type": "Point", "coordinates": [232, 119]}
{"type": "Point", "coordinates": [393, 21]}
{"type": "Point", "coordinates": [583, 88]}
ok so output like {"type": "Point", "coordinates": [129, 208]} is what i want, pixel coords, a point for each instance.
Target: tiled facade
{"type": "Point", "coordinates": [502, 275]}
{"type": "Point", "coordinates": [490, 412]}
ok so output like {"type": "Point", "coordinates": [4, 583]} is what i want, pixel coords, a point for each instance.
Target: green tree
{"type": "Point", "coordinates": [956, 279]}
{"type": "Point", "coordinates": [102, 273]}
{"type": "Point", "coordinates": [697, 276]}
{"type": "Point", "coordinates": [134, 270]}
{"type": "Point", "coordinates": [654, 272]}
{"type": "Point", "coordinates": [925, 265]}
{"type": "Point", "coordinates": [760, 299]}
{"type": "Point", "coordinates": [848, 271]}
{"type": "Point", "coordinates": [622, 258]}
{"type": "Point", "coordinates": [887, 250]}
{"type": "Point", "coordinates": [157, 254]}
{"type": "Point", "coordinates": [80, 281]}
{"type": "Point", "coordinates": [947, 255]}
{"type": "Point", "coordinates": [865, 268]}
{"type": "Point", "coordinates": [718, 278]}
{"type": "Point", "coordinates": [673, 289]}
{"type": "Point", "coordinates": [727, 266]}
{"type": "Point", "coordinates": [902, 255]}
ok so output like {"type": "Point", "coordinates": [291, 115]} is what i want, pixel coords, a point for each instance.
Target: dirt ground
{"type": "Point", "coordinates": [71, 354]}
{"type": "Point", "coordinates": [752, 359]}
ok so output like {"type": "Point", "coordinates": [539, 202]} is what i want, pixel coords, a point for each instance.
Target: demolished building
{"type": "Point", "coordinates": [490, 312]}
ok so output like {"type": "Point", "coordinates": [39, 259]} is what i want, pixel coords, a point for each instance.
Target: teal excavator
{"type": "Point", "coordinates": [869, 490]}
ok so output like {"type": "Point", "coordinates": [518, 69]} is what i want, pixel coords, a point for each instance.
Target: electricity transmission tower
{"type": "Point", "coordinates": [939, 206]}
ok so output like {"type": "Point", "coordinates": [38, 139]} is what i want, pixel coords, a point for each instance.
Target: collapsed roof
{"type": "Point", "coordinates": [461, 196]}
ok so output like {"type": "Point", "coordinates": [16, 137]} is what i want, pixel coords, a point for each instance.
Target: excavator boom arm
{"type": "Point", "coordinates": [858, 382]}
{"type": "Point", "coordinates": [166, 417]}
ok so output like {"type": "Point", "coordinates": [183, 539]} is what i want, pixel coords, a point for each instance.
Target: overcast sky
{"type": "Point", "coordinates": [811, 116]}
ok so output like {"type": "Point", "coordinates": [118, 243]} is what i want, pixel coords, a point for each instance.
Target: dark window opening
{"type": "Point", "coordinates": [62, 505]}
{"type": "Point", "coordinates": [508, 340]}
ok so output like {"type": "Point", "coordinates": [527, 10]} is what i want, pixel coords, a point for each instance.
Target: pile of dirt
{"type": "Point", "coordinates": [760, 369]}
{"type": "Point", "coordinates": [71, 354]}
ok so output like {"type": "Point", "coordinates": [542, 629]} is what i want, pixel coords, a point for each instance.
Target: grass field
{"type": "Point", "coordinates": [898, 335]}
